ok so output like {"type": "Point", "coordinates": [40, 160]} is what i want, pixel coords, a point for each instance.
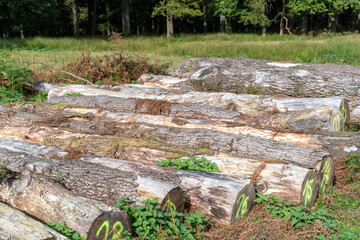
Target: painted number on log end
{"type": "Point", "coordinates": [308, 191]}
{"type": "Point", "coordinates": [336, 123]}
{"type": "Point", "coordinates": [116, 230]}
{"type": "Point", "coordinates": [243, 205]}
{"type": "Point", "coordinates": [343, 111]}
{"type": "Point", "coordinates": [325, 176]}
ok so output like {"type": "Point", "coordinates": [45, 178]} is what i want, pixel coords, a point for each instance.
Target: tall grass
{"type": "Point", "coordinates": [338, 49]}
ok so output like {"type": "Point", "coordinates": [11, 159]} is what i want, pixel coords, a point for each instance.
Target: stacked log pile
{"type": "Point", "coordinates": [105, 140]}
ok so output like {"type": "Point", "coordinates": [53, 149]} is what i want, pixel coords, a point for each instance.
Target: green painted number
{"type": "Point", "coordinates": [105, 224]}
{"type": "Point", "coordinates": [243, 205]}
{"type": "Point", "coordinates": [343, 111]}
{"type": "Point", "coordinates": [336, 123]}
{"type": "Point", "coordinates": [325, 171]}
{"type": "Point", "coordinates": [117, 229]}
{"type": "Point", "coordinates": [308, 191]}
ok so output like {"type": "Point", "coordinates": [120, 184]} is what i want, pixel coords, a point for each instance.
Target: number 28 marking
{"type": "Point", "coordinates": [116, 229]}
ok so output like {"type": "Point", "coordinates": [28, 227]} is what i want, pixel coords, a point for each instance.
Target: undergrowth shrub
{"type": "Point", "coordinates": [13, 75]}
{"type": "Point", "coordinates": [352, 161]}
{"type": "Point", "coordinates": [190, 164]}
{"type": "Point", "coordinates": [151, 222]}
{"type": "Point", "coordinates": [66, 231]}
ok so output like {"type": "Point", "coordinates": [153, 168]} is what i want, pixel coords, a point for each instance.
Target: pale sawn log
{"type": "Point", "coordinates": [16, 225]}
{"type": "Point", "coordinates": [42, 198]}
{"type": "Point", "coordinates": [242, 75]}
{"type": "Point", "coordinates": [88, 180]}
{"type": "Point", "coordinates": [202, 189]}
{"type": "Point", "coordinates": [325, 119]}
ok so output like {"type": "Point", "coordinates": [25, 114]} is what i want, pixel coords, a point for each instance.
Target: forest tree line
{"type": "Point", "coordinates": [26, 18]}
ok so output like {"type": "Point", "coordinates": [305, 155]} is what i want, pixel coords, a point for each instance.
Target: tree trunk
{"type": "Point", "coordinates": [126, 28]}
{"type": "Point", "coordinates": [304, 23]}
{"type": "Point", "coordinates": [107, 10]}
{"type": "Point", "coordinates": [94, 25]}
{"type": "Point", "coordinates": [332, 21]}
{"type": "Point", "coordinates": [241, 75]}
{"type": "Point", "coordinates": [51, 202]}
{"type": "Point", "coordinates": [86, 179]}
{"type": "Point", "coordinates": [202, 189]}
{"type": "Point", "coordinates": [17, 225]}
{"type": "Point", "coordinates": [282, 19]}
{"type": "Point", "coordinates": [22, 32]}
{"type": "Point", "coordinates": [75, 12]}
{"type": "Point", "coordinates": [222, 24]}
{"type": "Point", "coordinates": [169, 25]}
{"type": "Point", "coordinates": [90, 12]}
{"type": "Point", "coordinates": [205, 24]}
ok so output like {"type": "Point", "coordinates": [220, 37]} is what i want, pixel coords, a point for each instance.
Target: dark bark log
{"type": "Point", "coordinates": [242, 75]}
{"type": "Point", "coordinates": [84, 179]}
{"type": "Point", "coordinates": [15, 224]}
{"type": "Point", "coordinates": [202, 189]}
{"type": "Point", "coordinates": [51, 202]}
{"type": "Point", "coordinates": [126, 28]}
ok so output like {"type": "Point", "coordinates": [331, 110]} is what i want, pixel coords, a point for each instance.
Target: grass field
{"type": "Point", "coordinates": [338, 49]}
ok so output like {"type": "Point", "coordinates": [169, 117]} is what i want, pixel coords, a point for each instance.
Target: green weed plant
{"type": "Point", "coordinates": [66, 231]}
{"type": "Point", "coordinates": [190, 164]}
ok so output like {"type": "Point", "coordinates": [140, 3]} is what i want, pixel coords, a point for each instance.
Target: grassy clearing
{"type": "Point", "coordinates": [338, 49]}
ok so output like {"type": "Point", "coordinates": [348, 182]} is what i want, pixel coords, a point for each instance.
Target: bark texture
{"type": "Point", "coordinates": [16, 225]}
{"type": "Point", "coordinates": [51, 202]}
{"type": "Point", "coordinates": [241, 75]}
{"type": "Point", "coordinates": [201, 189]}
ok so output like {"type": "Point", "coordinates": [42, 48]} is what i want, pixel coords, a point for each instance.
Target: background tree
{"type": "Point", "coordinates": [255, 13]}
{"type": "Point", "coordinates": [226, 10]}
{"type": "Point", "coordinates": [176, 9]}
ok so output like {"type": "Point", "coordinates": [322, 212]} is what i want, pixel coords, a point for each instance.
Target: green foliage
{"type": "Point", "coordinates": [299, 215]}
{"type": "Point", "coordinates": [7, 96]}
{"type": "Point", "coordinates": [151, 222]}
{"type": "Point", "coordinates": [63, 229]}
{"type": "Point", "coordinates": [255, 13]}
{"type": "Point", "coordinates": [74, 94]}
{"type": "Point", "coordinates": [59, 177]}
{"type": "Point", "coordinates": [3, 172]}
{"type": "Point", "coordinates": [177, 8]}
{"type": "Point", "coordinates": [190, 164]}
{"type": "Point", "coordinates": [352, 161]}
{"type": "Point", "coordinates": [14, 74]}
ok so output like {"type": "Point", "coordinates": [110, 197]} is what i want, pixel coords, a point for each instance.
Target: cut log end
{"type": "Point", "coordinates": [310, 189]}
{"type": "Point", "coordinates": [174, 200]}
{"type": "Point", "coordinates": [110, 225]}
{"type": "Point", "coordinates": [244, 203]}
{"type": "Point", "coordinates": [337, 122]}
{"type": "Point", "coordinates": [327, 174]}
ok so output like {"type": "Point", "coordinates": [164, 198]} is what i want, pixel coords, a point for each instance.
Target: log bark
{"type": "Point", "coordinates": [51, 202]}
{"type": "Point", "coordinates": [243, 103]}
{"type": "Point", "coordinates": [16, 225]}
{"type": "Point", "coordinates": [201, 189]}
{"type": "Point", "coordinates": [241, 75]}
{"type": "Point", "coordinates": [355, 112]}
{"type": "Point", "coordinates": [234, 144]}
{"type": "Point", "coordinates": [87, 180]}
{"type": "Point", "coordinates": [325, 119]}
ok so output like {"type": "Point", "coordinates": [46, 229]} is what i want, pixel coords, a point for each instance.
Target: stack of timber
{"type": "Point", "coordinates": [86, 177]}
{"type": "Point", "coordinates": [51, 202]}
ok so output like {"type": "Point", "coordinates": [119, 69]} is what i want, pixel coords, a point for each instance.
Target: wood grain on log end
{"type": "Point", "coordinates": [244, 203]}
{"type": "Point", "coordinates": [110, 225]}
{"type": "Point", "coordinates": [327, 174]}
{"type": "Point", "coordinates": [174, 200]}
{"type": "Point", "coordinates": [310, 189]}
{"type": "Point", "coordinates": [336, 121]}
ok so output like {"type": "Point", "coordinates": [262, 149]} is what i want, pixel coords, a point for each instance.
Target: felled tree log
{"type": "Point", "coordinates": [15, 224]}
{"type": "Point", "coordinates": [355, 112]}
{"type": "Point", "coordinates": [326, 118]}
{"type": "Point", "coordinates": [43, 199]}
{"type": "Point", "coordinates": [286, 181]}
{"type": "Point", "coordinates": [242, 75]}
{"type": "Point", "coordinates": [243, 103]}
{"type": "Point", "coordinates": [202, 190]}
{"type": "Point", "coordinates": [88, 180]}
